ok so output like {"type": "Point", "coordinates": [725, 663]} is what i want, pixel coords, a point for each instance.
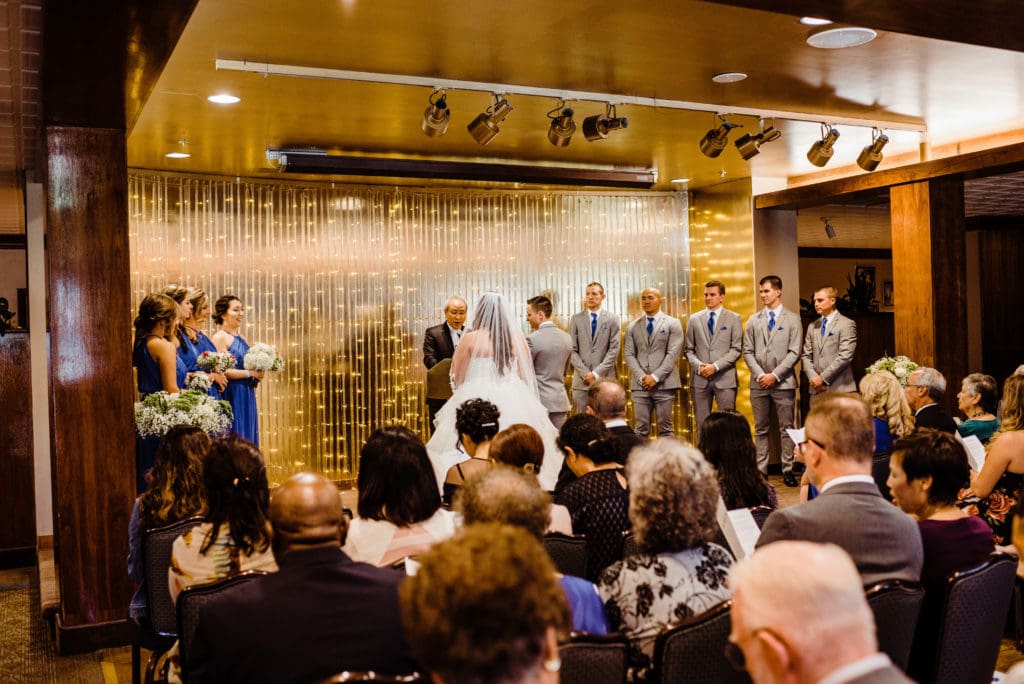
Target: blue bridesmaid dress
{"type": "Point", "coordinates": [242, 396]}
{"type": "Point", "coordinates": [189, 353]}
{"type": "Point", "coordinates": [148, 374]}
{"type": "Point", "coordinates": [205, 344]}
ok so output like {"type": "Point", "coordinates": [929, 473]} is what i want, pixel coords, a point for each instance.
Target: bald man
{"type": "Point", "coordinates": [654, 342]}
{"type": "Point", "coordinates": [322, 613]}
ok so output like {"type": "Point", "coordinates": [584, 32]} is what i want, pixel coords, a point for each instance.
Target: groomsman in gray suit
{"type": "Point", "coordinates": [551, 349]}
{"type": "Point", "coordinates": [595, 345]}
{"type": "Point", "coordinates": [828, 348]}
{"type": "Point", "coordinates": [714, 341]}
{"type": "Point", "coordinates": [653, 344]}
{"type": "Point", "coordinates": [771, 348]}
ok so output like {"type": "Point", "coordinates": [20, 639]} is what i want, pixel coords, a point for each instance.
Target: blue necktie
{"type": "Point", "coordinates": [711, 323]}
{"type": "Point", "coordinates": [824, 322]}
{"type": "Point", "coordinates": [593, 325]}
{"type": "Point", "coordinates": [771, 322]}
{"type": "Point", "coordinates": [650, 325]}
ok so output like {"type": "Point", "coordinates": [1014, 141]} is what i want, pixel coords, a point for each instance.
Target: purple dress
{"type": "Point", "coordinates": [241, 394]}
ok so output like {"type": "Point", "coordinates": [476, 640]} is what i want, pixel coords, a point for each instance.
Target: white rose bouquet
{"type": "Point", "coordinates": [200, 381]}
{"type": "Point", "coordinates": [216, 362]}
{"type": "Point", "coordinates": [160, 411]}
{"type": "Point", "coordinates": [262, 357]}
{"type": "Point", "coordinates": [900, 366]}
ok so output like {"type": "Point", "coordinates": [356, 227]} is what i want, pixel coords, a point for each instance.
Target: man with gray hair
{"type": "Point", "coordinates": [439, 343]}
{"type": "Point", "coordinates": [924, 390]}
{"type": "Point", "coordinates": [606, 399]}
{"type": "Point", "coordinates": [799, 615]}
{"type": "Point", "coordinates": [884, 542]}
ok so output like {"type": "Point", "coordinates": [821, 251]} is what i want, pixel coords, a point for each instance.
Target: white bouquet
{"type": "Point", "coordinates": [160, 411]}
{"type": "Point", "coordinates": [216, 362]}
{"type": "Point", "coordinates": [200, 381]}
{"type": "Point", "coordinates": [262, 357]}
{"type": "Point", "coordinates": [900, 366]}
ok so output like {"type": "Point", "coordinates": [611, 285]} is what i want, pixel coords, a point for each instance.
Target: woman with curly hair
{"type": "Point", "coordinates": [673, 497]}
{"type": "Point", "coordinates": [399, 509]}
{"type": "Point", "coordinates": [236, 535]}
{"type": "Point", "coordinates": [724, 439]}
{"type": "Point", "coordinates": [175, 493]}
{"type": "Point", "coordinates": [892, 417]}
{"type": "Point", "coordinates": [485, 607]}
{"type": "Point", "coordinates": [476, 422]}
{"type": "Point", "coordinates": [978, 400]}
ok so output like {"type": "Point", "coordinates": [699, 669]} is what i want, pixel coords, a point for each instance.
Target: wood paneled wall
{"type": "Point", "coordinates": [17, 504]}
{"type": "Point", "coordinates": [1001, 276]}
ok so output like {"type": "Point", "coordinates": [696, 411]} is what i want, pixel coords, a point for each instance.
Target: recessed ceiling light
{"type": "Point", "coordinates": [680, 180]}
{"type": "Point", "coordinates": [729, 77]}
{"type": "Point", "coordinates": [836, 38]}
{"type": "Point", "coordinates": [177, 155]}
{"type": "Point", "coordinates": [814, 21]}
{"type": "Point", "coordinates": [224, 98]}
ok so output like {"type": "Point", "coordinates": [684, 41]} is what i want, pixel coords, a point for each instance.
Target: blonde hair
{"type": "Point", "coordinates": [1013, 404]}
{"type": "Point", "coordinates": [885, 398]}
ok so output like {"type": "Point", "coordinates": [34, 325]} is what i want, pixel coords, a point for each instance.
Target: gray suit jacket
{"type": "Point", "coordinates": [722, 349]}
{"type": "Point", "coordinates": [830, 356]}
{"type": "Point", "coordinates": [884, 542]}
{"type": "Point", "coordinates": [655, 355]}
{"type": "Point", "coordinates": [594, 354]}
{"type": "Point", "coordinates": [551, 348]}
{"type": "Point", "coordinates": [775, 352]}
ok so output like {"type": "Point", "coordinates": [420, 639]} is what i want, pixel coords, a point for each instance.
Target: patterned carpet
{"type": "Point", "coordinates": [27, 654]}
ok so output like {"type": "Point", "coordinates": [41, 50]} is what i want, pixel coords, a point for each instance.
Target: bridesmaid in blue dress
{"type": "Point", "coordinates": [158, 368]}
{"type": "Point", "coordinates": [194, 341]}
{"type": "Point", "coordinates": [229, 313]}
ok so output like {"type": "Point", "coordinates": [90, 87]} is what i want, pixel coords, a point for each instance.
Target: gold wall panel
{"type": "Point", "coordinates": [343, 280]}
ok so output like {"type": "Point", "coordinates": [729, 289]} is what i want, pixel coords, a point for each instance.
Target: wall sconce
{"type": "Point", "coordinates": [822, 151]}
{"type": "Point", "coordinates": [485, 126]}
{"type": "Point", "coordinates": [749, 146]}
{"type": "Point", "coordinates": [870, 157]}
{"type": "Point", "coordinates": [713, 142]}
{"type": "Point", "coordinates": [562, 126]}
{"type": "Point", "coordinates": [596, 127]}
{"type": "Point", "coordinates": [436, 116]}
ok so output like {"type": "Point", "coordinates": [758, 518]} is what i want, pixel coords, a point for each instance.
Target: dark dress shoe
{"type": "Point", "coordinates": [790, 480]}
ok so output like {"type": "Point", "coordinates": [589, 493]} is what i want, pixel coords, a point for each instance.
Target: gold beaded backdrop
{"type": "Point", "coordinates": [343, 280]}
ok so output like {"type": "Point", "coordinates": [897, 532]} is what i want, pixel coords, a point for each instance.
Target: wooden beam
{"type": "Point", "coordinates": [990, 23]}
{"type": "Point", "coordinates": [991, 162]}
{"type": "Point", "coordinates": [991, 222]}
{"type": "Point", "coordinates": [843, 253]}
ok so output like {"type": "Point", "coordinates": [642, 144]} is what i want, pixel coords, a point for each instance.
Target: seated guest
{"type": "Point", "coordinates": [724, 439]}
{"type": "Point", "coordinates": [175, 493]}
{"type": "Point", "coordinates": [928, 469]}
{"type": "Point", "coordinates": [924, 390]}
{"type": "Point", "coordinates": [1000, 481]}
{"type": "Point", "coordinates": [799, 615]}
{"type": "Point", "coordinates": [978, 400]}
{"type": "Point", "coordinates": [476, 421]}
{"type": "Point", "coordinates": [606, 399]}
{"type": "Point", "coordinates": [399, 508]}
{"type": "Point", "coordinates": [598, 499]}
{"type": "Point", "coordinates": [849, 511]}
{"type": "Point", "coordinates": [519, 446]}
{"type": "Point", "coordinates": [512, 497]}
{"type": "Point", "coordinates": [891, 416]}
{"type": "Point", "coordinates": [320, 614]}
{"type": "Point", "coordinates": [236, 536]}
{"type": "Point", "coordinates": [485, 607]}
{"type": "Point", "coordinates": [673, 497]}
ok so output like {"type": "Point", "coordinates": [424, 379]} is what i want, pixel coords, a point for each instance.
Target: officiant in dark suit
{"type": "Point", "coordinates": [439, 345]}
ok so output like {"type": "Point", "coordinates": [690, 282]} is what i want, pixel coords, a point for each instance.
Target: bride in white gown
{"type": "Point", "coordinates": [493, 362]}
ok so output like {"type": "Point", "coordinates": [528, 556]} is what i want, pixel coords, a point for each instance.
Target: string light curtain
{"type": "Point", "coordinates": [343, 281]}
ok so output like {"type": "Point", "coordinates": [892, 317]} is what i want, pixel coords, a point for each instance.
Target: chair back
{"type": "Point", "coordinates": [694, 650]}
{"type": "Point", "coordinates": [191, 601]}
{"type": "Point", "coordinates": [372, 677]}
{"type": "Point", "coordinates": [156, 559]}
{"type": "Point", "coordinates": [896, 606]}
{"type": "Point", "coordinates": [630, 546]}
{"type": "Point", "coordinates": [975, 608]}
{"type": "Point", "coordinates": [760, 514]}
{"type": "Point", "coordinates": [593, 659]}
{"type": "Point", "coordinates": [567, 552]}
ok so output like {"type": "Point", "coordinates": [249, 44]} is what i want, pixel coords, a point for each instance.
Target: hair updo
{"type": "Point", "coordinates": [477, 419]}
{"type": "Point", "coordinates": [221, 307]}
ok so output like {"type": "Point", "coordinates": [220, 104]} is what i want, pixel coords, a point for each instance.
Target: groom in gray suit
{"type": "Point", "coordinates": [595, 345]}
{"type": "Point", "coordinates": [828, 348]}
{"type": "Point", "coordinates": [550, 348]}
{"type": "Point", "coordinates": [714, 341]}
{"type": "Point", "coordinates": [653, 344]}
{"type": "Point", "coordinates": [771, 348]}
{"type": "Point", "coordinates": [884, 542]}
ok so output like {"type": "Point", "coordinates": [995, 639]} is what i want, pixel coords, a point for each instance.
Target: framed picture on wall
{"type": "Point", "coordinates": [866, 275]}
{"type": "Point", "coordinates": [887, 293]}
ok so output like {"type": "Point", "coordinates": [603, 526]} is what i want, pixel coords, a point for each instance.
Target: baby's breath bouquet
{"type": "Point", "coordinates": [900, 366]}
{"type": "Point", "coordinates": [216, 362]}
{"type": "Point", "coordinates": [200, 381]}
{"type": "Point", "coordinates": [160, 411]}
{"type": "Point", "coordinates": [262, 357]}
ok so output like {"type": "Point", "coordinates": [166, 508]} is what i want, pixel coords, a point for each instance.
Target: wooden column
{"type": "Point", "coordinates": [17, 505]}
{"type": "Point", "coordinates": [930, 276]}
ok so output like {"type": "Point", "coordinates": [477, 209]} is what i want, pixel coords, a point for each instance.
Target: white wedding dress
{"type": "Point", "coordinates": [518, 403]}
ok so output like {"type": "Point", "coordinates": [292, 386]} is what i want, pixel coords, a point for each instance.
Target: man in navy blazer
{"type": "Point", "coordinates": [320, 614]}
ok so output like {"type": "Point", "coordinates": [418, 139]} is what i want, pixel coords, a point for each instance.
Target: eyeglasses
{"type": "Point", "coordinates": [910, 384]}
{"type": "Point", "coordinates": [801, 445]}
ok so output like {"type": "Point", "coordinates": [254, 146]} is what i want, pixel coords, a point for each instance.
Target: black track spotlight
{"type": "Point", "coordinates": [749, 146]}
{"type": "Point", "coordinates": [596, 127]}
{"type": "Point", "coordinates": [821, 151]}
{"type": "Point", "coordinates": [870, 157]}
{"type": "Point", "coordinates": [562, 126]}
{"type": "Point", "coordinates": [437, 115]}
{"type": "Point", "coordinates": [830, 230]}
{"type": "Point", "coordinates": [485, 126]}
{"type": "Point", "coordinates": [714, 141]}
